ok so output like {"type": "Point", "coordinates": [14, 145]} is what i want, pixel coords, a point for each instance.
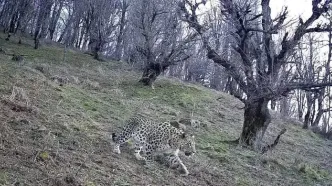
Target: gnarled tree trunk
{"type": "Point", "coordinates": [257, 73]}
{"type": "Point", "coordinates": [42, 21]}
{"type": "Point", "coordinates": [256, 121]}
{"type": "Point", "coordinates": [308, 115]}
{"type": "Point", "coordinates": [97, 48]}
{"type": "Point", "coordinates": [151, 72]}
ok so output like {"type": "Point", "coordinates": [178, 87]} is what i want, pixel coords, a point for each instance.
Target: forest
{"type": "Point", "coordinates": [274, 65]}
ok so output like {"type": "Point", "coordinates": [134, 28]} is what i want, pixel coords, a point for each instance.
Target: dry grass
{"type": "Point", "coordinates": [67, 141]}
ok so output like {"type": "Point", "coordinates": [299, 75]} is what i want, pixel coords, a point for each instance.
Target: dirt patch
{"type": "Point", "coordinates": [18, 107]}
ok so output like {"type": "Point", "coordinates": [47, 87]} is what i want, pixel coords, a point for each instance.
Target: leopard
{"type": "Point", "coordinates": [171, 161]}
{"type": "Point", "coordinates": [154, 138]}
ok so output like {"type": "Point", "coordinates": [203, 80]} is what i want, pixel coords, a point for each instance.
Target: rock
{"type": "Point", "coordinates": [60, 80]}
{"type": "Point", "coordinates": [2, 51]}
{"type": "Point", "coordinates": [42, 128]}
{"type": "Point", "coordinates": [172, 113]}
{"type": "Point", "coordinates": [18, 58]}
{"type": "Point", "coordinates": [24, 121]}
{"type": "Point", "coordinates": [43, 69]}
{"type": "Point", "coordinates": [91, 84]}
{"type": "Point", "coordinates": [316, 129]}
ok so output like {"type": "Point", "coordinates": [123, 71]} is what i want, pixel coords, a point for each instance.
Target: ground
{"type": "Point", "coordinates": [56, 129]}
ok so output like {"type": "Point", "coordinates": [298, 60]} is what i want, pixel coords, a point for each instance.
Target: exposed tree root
{"type": "Point", "coordinates": [232, 142]}
{"type": "Point", "coordinates": [274, 144]}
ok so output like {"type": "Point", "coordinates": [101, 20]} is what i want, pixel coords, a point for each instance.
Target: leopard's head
{"type": "Point", "coordinates": [187, 144]}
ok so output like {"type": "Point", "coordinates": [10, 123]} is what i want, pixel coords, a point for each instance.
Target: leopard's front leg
{"type": "Point", "coordinates": [148, 152]}
{"type": "Point", "coordinates": [176, 154]}
{"type": "Point", "coordinates": [184, 168]}
{"type": "Point", "coordinates": [117, 149]}
{"type": "Point", "coordinates": [138, 149]}
{"type": "Point", "coordinates": [148, 159]}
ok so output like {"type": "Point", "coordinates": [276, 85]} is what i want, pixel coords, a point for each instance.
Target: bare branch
{"type": "Point", "coordinates": [255, 17]}
{"type": "Point", "coordinates": [263, 31]}
{"type": "Point", "coordinates": [276, 141]}
{"type": "Point", "coordinates": [287, 45]}
{"type": "Point", "coordinates": [191, 19]}
{"type": "Point", "coordinates": [318, 29]}
{"type": "Point", "coordinates": [303, 86]}
{"type": "Point", "coordinates": [280, 19]}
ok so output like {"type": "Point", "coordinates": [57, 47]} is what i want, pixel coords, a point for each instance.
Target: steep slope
{"type": "Point", "coordinates": [56, 124]}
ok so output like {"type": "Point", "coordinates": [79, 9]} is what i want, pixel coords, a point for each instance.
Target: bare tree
{"type": "Point", "coordinates": [160, 38]}
{"type": "Point", "coordinates": [311, 67]}
{"type": "Point", "coordinates": [9, 15]}
{"type": "Point", "coordinates": [103, 25]}
{"type": "Point", "coordinates": [25, 15]}
{"type": "Point", "coordinates": [315, 101]}
{"type": "Point", "coordinates": [15, 16]}
{"type": "Point", "coordinates": [57, 8]}
{"type": "Point", "coordinates": [258, 72]}
{"type": "Point", "coordinates": [120, 34]}
{"type": "Point", "coordinates": [44, 7]}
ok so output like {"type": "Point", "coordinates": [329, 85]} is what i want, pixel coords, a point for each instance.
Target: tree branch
{"type": "Point", "coordinates": [287, 45]}
{"type": "Point", "coordinates": [318, 29]}
{"type": "Point", "coordinates": [263, 31]}
{"type": "Point", "coordinates": [303, 86]}
{"type": "Point", "coordinates": [274, 144]}
{"type": "Point", "coordinates": [191, 19]}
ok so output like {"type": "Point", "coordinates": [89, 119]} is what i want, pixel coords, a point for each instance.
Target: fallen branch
{"type": "Point", "coordinates": [232, 142]}
{"type": "Point", "coordinates": [275, 143]}
{"type": "Point", "coordinates": [17, 107]}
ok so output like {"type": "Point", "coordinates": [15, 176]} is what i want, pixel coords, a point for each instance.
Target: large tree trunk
{"type": "Point", "coordinates": [75, 34]}
{"type": "Point", "coordinates": [119, 41]}
{"type": "Point", "coordinates": [97, 48]}
{"type": "Point", "coordinates": [23, 20]}
{"type": "Point", "coordinates": [13, 23]}
{"type": "Point", "coordinates": [318, 118]}
{"type": "Point", "coordinates": [151, 72]}
{"type": "Point", "coordinates": [308, 115]}
{"type": "Point", "coordinates": [55, 17]}
{"type": "Point", "coordinates": [273, 104]}
{"type": "Point", "coordinates": [284, 108]}
{"type": "Point", "coordinates": [80, 40]}
{"type": "Point", "coordinates": [256, 121]}
{"type": "Point", "coordinates": [42, 21]}
{"type": "Point", "coordinates": [300, 105]}
{"type": "Point", "coordinates": [320, 110]}
{"type": "Point", "coordinates": [66, 30]}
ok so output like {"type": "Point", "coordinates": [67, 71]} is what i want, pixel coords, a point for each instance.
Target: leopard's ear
{"type": "Point", "coordinates": [183, 135]}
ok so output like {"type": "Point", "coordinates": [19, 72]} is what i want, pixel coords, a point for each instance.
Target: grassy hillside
{"type": "Point", "coordinates": [53, 134]}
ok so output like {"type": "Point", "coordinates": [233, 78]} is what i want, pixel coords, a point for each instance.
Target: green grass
{"type": "Point", "coordinates": [70, 133]}
{"type": "Point", "coordinates": [310, 172]}
{"type": "Point", "coordinates": [3, 178]}
{"type": "Point", "coordinates": [172, 94]}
